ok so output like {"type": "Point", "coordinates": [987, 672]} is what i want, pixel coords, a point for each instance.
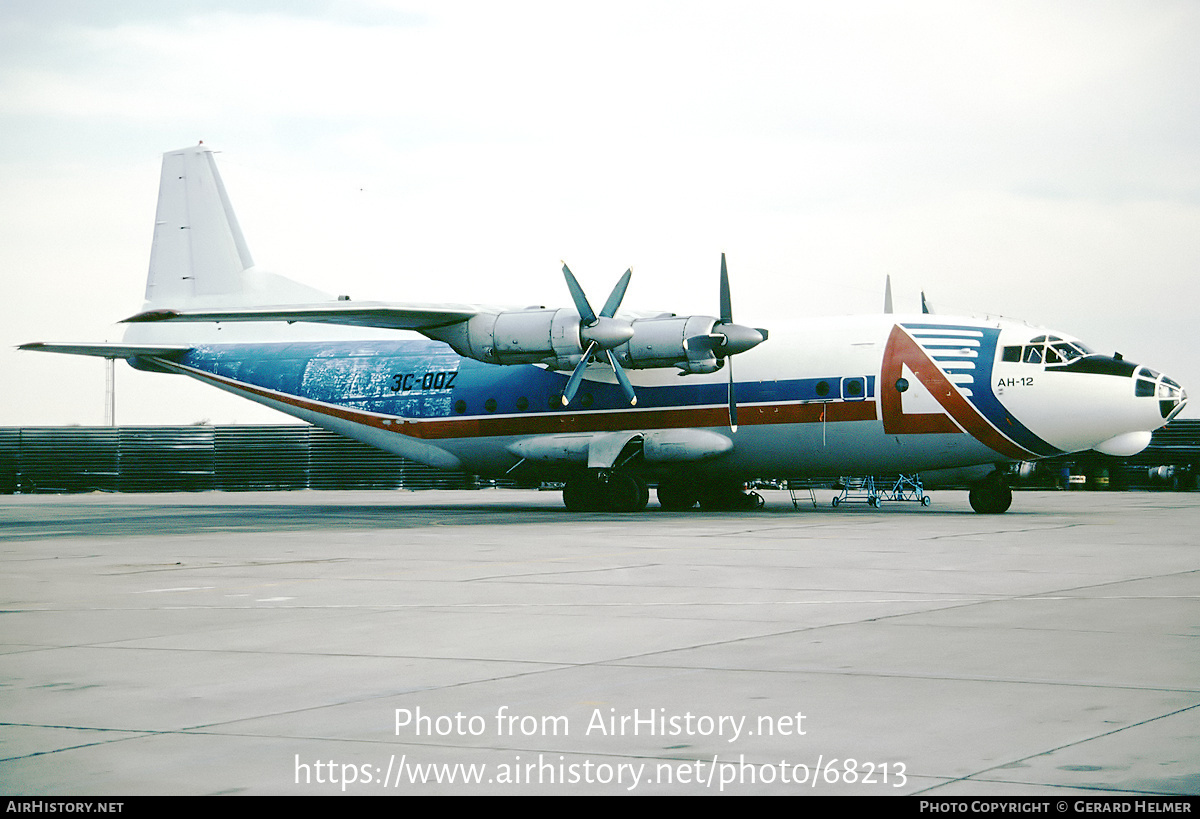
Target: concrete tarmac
{"type": "Point", "coordinates": [491, 642]}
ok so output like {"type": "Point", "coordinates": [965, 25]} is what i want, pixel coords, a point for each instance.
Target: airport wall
{"type": "Point", "coordinates": [268, 457]}
{"type": "Point", "coordinates": [198, 458]}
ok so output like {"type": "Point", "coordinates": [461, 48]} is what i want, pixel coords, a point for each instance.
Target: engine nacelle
{"type": "Point", "coordinates": [552, 338]}
{"type": "Point", "coordinates": [535, 336]}
{"type": "Point", "coordinates": [662, 342]}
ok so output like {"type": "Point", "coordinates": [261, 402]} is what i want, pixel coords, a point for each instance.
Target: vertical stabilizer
{"type": "Point", "coordinates": [198, 246]}
{"type": "Point", "coordinates": [199, 257]}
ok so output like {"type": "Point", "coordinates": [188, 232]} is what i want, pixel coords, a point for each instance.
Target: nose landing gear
{"type": "Point", "coordinates": [992, 495]}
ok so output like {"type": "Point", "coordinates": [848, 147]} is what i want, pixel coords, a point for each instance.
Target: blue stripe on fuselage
{"type": "Point", "coordinates": [981, 396]}
{"type": "Point", "coordinates": [427, 379]}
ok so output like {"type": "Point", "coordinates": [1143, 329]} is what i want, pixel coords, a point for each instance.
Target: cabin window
{"type": "Point", "coordinates": [1144, 388]}
{"type": "Point", "coordinates": [490, 405]}
{"type": "Point", "coordinates": [1012, 354]}
{"type": "Point", "coordinates": [822, 389]}
{"type": "Point", "coordinates": [522, 403]}
{"type": "Point", "coordinates": [460, 406]}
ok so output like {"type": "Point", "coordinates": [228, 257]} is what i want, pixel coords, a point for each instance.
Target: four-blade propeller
{"type": "Point", "coordinates": [727, 339]}
{"type": "Point", "coordinates": [601, 332]}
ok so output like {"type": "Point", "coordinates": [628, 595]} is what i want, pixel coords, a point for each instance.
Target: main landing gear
{"type": "Point", "coordinates": [992, 495]}
{"type": "Point", "coordinates": [617, 490]}
{"type": "Point", "coordinates": [621, 490]}
{"type": "Point", "coordinates": [679, 494]}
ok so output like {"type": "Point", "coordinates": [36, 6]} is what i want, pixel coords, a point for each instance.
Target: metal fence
{"type": "Point", "coordinates": [245, 458]}
{"type": "Point", "coordinates": [189, 459]}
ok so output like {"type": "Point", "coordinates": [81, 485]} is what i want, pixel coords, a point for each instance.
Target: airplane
{"type": "Point", "coordinates": [610, 403]}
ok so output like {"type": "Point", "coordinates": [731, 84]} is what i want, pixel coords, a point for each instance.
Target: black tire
{"type": "Point", "coordinates": [625, 492]}
{"type": "Point", "coordinates": [993, 498]}
{"type": "Point", "coordinates": [581, 493]}
{"type": "Point", "coordinates": [728, 497]}
{"type": "Point", "coordinates": [676, 494]}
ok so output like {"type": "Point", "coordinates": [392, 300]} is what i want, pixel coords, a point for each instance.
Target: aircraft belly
{"type": "Point", "coordinates": [848, 448]}
{"type": "Point", "coordinates": [771, 451]}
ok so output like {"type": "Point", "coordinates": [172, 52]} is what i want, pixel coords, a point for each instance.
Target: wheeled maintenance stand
{"type": "Point", "coordinates": [866, 490]}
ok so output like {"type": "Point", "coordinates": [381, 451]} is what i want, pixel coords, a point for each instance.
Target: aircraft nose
{"type": "Point", "coordinates": [1171, 406]}
{"type": "Point", "coordinates": [1171, 396]}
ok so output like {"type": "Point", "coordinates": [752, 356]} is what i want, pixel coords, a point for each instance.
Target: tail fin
{"type": "Point", "coordinates": [199, 255]}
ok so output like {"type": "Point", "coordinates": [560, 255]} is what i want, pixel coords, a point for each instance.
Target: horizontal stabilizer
{"type": "Point", "coordinates": [358, 314]}
{"type": "Point", "coordinates": [106, 350]}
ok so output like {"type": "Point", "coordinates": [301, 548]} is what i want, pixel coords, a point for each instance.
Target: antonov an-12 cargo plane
{"type": "Point", "coordinates": [611, 403]}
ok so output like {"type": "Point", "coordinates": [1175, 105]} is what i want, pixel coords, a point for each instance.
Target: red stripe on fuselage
{"type": "Point", "coordinates": [903, 350]}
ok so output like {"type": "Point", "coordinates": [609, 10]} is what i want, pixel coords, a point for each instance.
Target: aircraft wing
{"type": "Point", "coordinates": [107, 350]}
{"type": "Point", "coordinates": [360, 314]}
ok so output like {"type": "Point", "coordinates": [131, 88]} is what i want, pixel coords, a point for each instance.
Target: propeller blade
{"type": "Point", "coordinates": [726, 305]}
{"type": "Point", "coordinates": [577, 376]}
{"type": "Point", "coordinates": [623, 378]}
{"type": "Point", "coordinates": [586, 314]}
{"type": "Point", "coordinates": [732, 399]}
{"type": "Point", "coordinates": [618, 293]}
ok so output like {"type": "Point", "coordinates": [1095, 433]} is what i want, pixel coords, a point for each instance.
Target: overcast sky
{"type": "Point", "coordinates": [1039, 160]}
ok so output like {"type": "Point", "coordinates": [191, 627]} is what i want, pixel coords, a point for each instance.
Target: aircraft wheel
{"type": "Point", "coordinates": [991, 496]}
{"type": "Point", "coordinates": [676, 495]}
{"type": "Point", "coordinates": [873, 502]}
{"type": "Point", "coordinates": [626, 492]}
{"type": "Point", "coordinates": [582, 493]}
{"type": "Point", "coordinates": [728, 498]}
{"type": "Point", "coordinates": [712, 499]}
{"type": "Point", "coordinates": [836, 501]}
{"type": "Point", "coordinates": [926, 500]}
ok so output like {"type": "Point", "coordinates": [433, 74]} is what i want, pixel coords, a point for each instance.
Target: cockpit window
{"type": "Point", "coordinates": [1068, 351]}
{"type": "Point", "coordinates": [1168, 388]}
{"type": "Point", "coordinates": [1049, 350]}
